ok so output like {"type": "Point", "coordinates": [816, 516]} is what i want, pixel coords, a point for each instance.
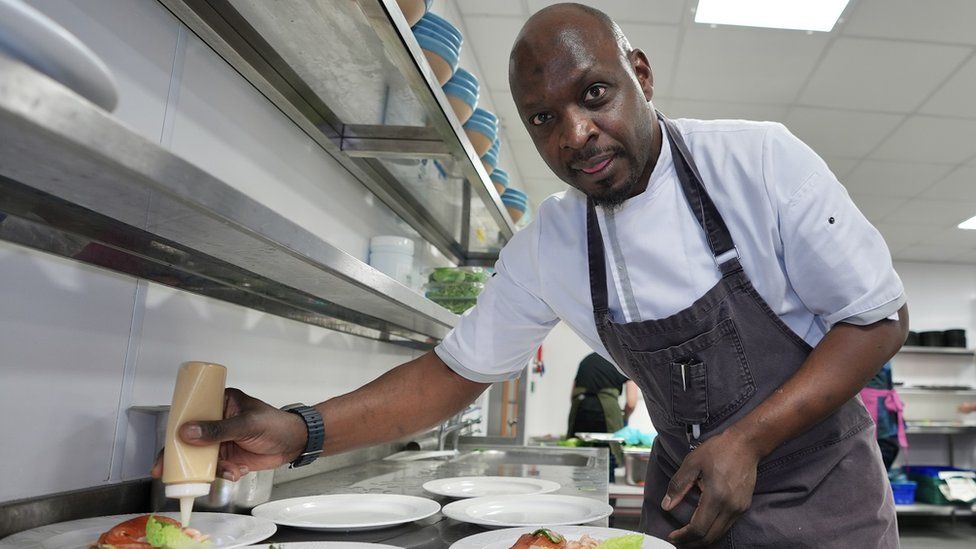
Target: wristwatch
{"type": "Point", "coordinates": [316, 433]}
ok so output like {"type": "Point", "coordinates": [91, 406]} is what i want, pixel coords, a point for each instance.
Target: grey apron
{"type": "Point", "coordinates": [705, 367]}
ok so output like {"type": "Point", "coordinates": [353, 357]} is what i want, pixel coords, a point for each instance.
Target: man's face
{"type": "Point", "coordinates": [586, 106]}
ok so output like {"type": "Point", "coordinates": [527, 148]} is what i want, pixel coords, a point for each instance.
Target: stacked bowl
{"type": "Point", "coordinates": [500, 178]}
{"type": "Point", "coordinates": [413, 10]}
{"type": "Point", "coordinates": [516, 202]}
{"type": "Point", "coordinates": [490, 159]}
{"type": "Point", "coordinates": [462, 94]}
{"type": "Point", "coordinates": [441, 43]}
{"type": "Point", "coordinates": [481, 129]}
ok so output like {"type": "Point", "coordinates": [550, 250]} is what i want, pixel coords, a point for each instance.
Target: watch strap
{"type": "Point", "coordinates": [316, 433]}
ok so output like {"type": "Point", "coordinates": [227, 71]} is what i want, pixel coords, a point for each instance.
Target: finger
{"type": "Point", "coordinates": [701, 523]}
{"type": "Point", "coordinates": [202, 433]}
{"type": "Point", "coordinates": [157, 468]}
{"type": "Point", "coordinates": [230, 470]}
{"type": "Point", "coordinates": [721, 525]}
{"type": "Point", "coordinates": [680, 484]}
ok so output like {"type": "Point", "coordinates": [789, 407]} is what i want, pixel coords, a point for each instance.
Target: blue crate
{"type": "Point", "coordinates": [904, 492]}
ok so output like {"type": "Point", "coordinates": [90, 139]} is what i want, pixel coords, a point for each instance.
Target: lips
{"type": "Point", "coordinates": [597, 167]}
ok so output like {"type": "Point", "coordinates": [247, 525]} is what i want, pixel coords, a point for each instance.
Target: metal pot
{"type": "Point", "coordinates": [635, 465]}
{"type": "Point", "coordinates": [225, 496]}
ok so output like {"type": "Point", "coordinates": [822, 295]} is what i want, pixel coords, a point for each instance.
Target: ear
{"type": "Point", "coordinates": [642, 70]}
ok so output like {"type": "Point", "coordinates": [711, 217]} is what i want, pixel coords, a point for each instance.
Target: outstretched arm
{"type": "Point", "coordinates": [410, 398]}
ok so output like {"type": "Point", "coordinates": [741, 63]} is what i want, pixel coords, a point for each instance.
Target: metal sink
{"type": "Point", "coordinates": [523, 456]}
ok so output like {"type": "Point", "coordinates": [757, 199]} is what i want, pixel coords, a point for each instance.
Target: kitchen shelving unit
{"type": "Point", "coordinates": [352, 76]}
{"type": "Point", "coordinates": [75, 182]}
{"type": "Point", "coordinates": [935, 379]}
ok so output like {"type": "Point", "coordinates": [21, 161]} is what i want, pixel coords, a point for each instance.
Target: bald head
{"type": "Point", "coordinates": [565, 25]}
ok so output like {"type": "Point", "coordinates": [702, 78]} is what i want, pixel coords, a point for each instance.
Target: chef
{"type": "Point", "coordinates": [720, 265]}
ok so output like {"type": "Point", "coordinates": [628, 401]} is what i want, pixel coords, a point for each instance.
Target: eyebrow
{"type": "Point", "coordinates": [531, 105]}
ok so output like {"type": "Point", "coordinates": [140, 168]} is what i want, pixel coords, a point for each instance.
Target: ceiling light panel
{"type": "Point", "coordinates": [809, 15]}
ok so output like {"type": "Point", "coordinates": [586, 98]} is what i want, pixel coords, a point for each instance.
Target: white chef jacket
{"type": "Point", "coordinates": [805, 246]}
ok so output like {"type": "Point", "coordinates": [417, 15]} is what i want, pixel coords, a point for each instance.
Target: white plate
{"type": "Point", "coordinates": [224, 529]}
{"type": "Point", "coordinates": [474, 487]}
{"type": "Point", "coordinates": [35, 39]}
{"type": "Point", "coordinates": [547, 510]}
{"type": "Point", "coordinates": [347, 511]}
{"type": "Point", "coordinates": [503, 539]}
{"type": "Point", "coordinates": [325, 545]}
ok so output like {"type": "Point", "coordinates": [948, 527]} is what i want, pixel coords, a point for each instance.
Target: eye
{"type": "Point", "coordinates": [539, 119]}
{"type": "Point", "coordinates": [594, 92]}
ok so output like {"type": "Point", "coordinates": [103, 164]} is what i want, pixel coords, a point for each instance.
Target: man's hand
{"type": "Point", "coordinates": [253, 436]}
{"type": "Point", "coordinates": [724, 470]}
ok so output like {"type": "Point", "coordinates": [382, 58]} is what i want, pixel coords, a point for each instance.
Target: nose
{"type": "Point", "coordinates": [578, 129]}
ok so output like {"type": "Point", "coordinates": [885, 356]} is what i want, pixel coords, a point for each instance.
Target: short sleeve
{"type": "Point", "coordinates": [836, 261]}
{"type": "Point", "coordinates": [495, 339]}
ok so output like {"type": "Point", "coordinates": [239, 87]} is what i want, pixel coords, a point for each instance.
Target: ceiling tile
{"type": "Point", "coordinates": [954, 237]}
{"type": "Point", "coordinates": [745, 64]}
{"type": "Point", "coordinates": [492, 38]}
{"type": "Point", "coordinates": [642, 11]}
{"type": "Point", "coordinates": [495, 7]}
{"type": "Point", "coordinates": [928, 253]}
{"type": "Point", "coordinates": [710, 110]}
{"type": "Point", "coordinates": [891, 178]}
{"type": "Point", "coordinates": [842, 133]}
{"type": "Point", "coordinates": [930, 139]}
{"type": "Point", "coordinates": [530, 164]}
{"type": "Point", "coordinates": [940, 213]}
{"type": "Point", "coordinates": [508, 117]}
{"type": "Point", "coordinates": [958, 185]}
{"type": "Point", "coordinates": [884, 75]}
{"type": "Point", "coordinates": [875, 208]}
{"type": "Point", "coordinates": [840, 165]}
{"type": "Point", "coordinates": [941, 21]}
{"type": "Point", "coordinates": [660, 44]}
{"type": "Point", "coordinates": [955, 98]}
{"type": "Point", "coordinates": [900, 235]}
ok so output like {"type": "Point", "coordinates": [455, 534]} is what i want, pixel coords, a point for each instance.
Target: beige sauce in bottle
{"type": "Point", "coordinates": [189, 470]}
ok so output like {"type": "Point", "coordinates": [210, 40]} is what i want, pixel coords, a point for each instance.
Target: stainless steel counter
{"type": "Point", "coordinates": [580, 471]}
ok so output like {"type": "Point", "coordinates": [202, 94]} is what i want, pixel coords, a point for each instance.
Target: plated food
{"type": "Point", "coordinates": [151, 532]}
{"type": "Point", "coordinates": [544, 538]}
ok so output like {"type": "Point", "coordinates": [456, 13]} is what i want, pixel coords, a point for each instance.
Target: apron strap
{"type": "Point", "coordinates": [598, 269]}
{"type": "Point", "coordinates": [707, 214]}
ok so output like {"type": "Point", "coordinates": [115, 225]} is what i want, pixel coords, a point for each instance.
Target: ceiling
{"type": "Point", "coordinates": [888, 99]}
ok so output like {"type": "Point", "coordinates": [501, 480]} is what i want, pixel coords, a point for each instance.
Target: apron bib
{"type": "Point", "coordinates": [705, 367]}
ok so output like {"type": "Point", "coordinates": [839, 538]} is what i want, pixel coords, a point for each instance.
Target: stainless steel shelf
{"type": "Point", "coordinates": [937, 350]}
{"type": "Point", "coordinates": [929, 509]}
{"type": "Point", "coordinates": [939, 428]}
{"type": "Point", "coordinates": [932, 391]}
{"type": "Point", "coordinates": [351, 75]}
{"type": "Point", "coordinates": [75, 182]}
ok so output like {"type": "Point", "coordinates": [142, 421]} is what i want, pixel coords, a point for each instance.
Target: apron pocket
{"type": "Point", "coordinates": [720, 384]}
{"type": "Point", "coordinates": [689, 391]}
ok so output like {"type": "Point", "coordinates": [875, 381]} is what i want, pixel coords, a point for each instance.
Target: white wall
{"type": "Point", "coordinates": [79, 345]}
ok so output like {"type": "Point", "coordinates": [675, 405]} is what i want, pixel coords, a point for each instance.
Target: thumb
{"type": "Point", "coordinates": [681, 483]}
{"type": "Point", "coordinates": [203, 433]}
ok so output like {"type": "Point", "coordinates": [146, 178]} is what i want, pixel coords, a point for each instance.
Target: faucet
{"type": "Point", "coordinates": [446, 430]}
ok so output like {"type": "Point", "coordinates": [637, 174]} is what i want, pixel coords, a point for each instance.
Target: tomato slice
{"type": "Point", "coordinates": [131, 534]}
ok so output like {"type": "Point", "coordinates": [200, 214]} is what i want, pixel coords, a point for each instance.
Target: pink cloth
{"type": "Point", "coordinates": [892, 403]}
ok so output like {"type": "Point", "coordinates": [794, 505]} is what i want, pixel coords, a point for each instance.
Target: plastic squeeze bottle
{"type": "Point", "coordinates": [189, 470]}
